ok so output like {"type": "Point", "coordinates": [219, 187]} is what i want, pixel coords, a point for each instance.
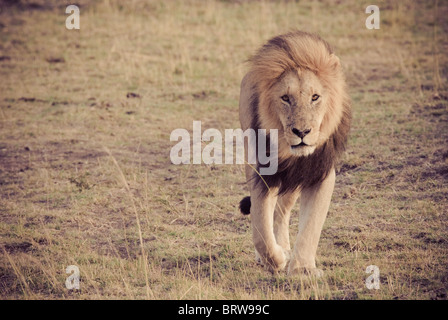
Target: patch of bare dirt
{"type": "Point", "coordinates": [32, 5]}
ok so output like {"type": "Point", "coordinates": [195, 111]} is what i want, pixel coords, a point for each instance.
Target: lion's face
{"type": "Point", "coordinates": [299, 100]}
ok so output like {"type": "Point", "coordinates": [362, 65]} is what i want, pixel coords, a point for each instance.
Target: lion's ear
{"type": "Point", "coordinates": [334, 62]}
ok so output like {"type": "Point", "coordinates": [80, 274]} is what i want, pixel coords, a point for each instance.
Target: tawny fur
{"type": "Point", "coordinates": [301, 66]}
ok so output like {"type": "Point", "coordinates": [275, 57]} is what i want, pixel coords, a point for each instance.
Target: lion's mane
{"type": "Point", "coordinates": [301, 50]}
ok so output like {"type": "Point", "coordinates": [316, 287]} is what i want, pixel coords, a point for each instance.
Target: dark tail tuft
{"type": "Point", "coordinates": [245, 205]}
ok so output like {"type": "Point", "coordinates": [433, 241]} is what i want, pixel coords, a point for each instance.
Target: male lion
{"type": "Point", "coordinates": [295, 84]}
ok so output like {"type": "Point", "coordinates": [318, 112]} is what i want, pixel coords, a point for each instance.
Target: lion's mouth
{"type": "Point", "coordinates": [301, 144]}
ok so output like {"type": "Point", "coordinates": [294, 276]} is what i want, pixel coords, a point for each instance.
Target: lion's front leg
{"type": "Point", "coordinates": [262, 215]}
{"type": "Point", "coordinates": [314, 205]}
{"type": "Point", "coordinates": [282, 216]}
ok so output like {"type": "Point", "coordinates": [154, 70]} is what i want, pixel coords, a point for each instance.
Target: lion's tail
{"type": "Point", "coordinates": [245, 205]}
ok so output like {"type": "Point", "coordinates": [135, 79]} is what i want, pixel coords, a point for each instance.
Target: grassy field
{"type": "Point", "coordinates": [85, 173]}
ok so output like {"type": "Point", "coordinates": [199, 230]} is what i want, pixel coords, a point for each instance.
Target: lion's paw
{"type": "Point", "coordinates": [309, 272]}
{"type": "Point", "coordinates": [270, 265]}
{"type": "Point", "coordinates": [258, 258]}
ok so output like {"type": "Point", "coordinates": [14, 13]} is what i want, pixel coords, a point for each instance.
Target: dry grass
{"type": "Point", "coordinates": [139, 227]}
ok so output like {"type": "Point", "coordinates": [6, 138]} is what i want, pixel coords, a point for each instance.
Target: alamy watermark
{"type": "Point", "coordinates": [212, 153]}
{"type": "Point", "coordinates": [72, 281]}
{"type": "Point", "coordinates": [373, 281]}
{"type": "Point", "coordinates": [373, 21]}
{"type": "Point", "coordinates": [72, 21]}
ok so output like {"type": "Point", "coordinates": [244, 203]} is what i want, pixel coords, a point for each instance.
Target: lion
{"type": "Point", "coordinates": [294, 84]}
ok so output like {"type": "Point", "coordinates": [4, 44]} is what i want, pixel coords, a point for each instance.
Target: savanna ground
{"type": "Point", "coordinates": [85, 173]}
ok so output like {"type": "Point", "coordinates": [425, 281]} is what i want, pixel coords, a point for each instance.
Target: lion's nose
{"type": "Point", "coordinates": [301, 133]}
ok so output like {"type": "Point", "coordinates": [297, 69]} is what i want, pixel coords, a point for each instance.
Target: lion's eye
{"type": "Point", "coordinates": [285, 98]}
{"type": "Point", "coordinates": [315, 97]}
